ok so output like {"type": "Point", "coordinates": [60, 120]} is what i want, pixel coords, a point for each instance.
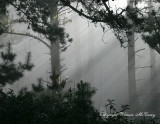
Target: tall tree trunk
{"type": "Point", "coordinates": [54, 50]}
{"type": "Point", "coordinates": [153, 102]}
{"type": "Point", "coordinates": [153, 98]}
{"type": "Point", "coordinates": [131, 68]}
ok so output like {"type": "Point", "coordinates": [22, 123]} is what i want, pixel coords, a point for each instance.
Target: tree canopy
{"type": "Point", "coordinates": [36, 14]}
{"type": "Point", "coordinates": [121, 20]}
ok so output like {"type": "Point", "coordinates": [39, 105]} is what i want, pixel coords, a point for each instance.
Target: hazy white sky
{"type": "Point", "coordinates": [118, 3]}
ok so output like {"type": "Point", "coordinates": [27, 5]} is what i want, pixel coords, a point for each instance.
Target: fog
{"type": "Point", "coordinates": [93, 57]}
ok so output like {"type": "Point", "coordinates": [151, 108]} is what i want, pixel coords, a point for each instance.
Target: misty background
{"type": "Point", "coordinates": [93, 56]}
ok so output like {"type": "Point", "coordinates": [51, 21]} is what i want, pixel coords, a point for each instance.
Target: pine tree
{"type": "Point", "coordinates": [100, 11]}
{"type": "Point", "coordinates": [11, 71]}
{"type": "Point", "coordinates": [42, 17]}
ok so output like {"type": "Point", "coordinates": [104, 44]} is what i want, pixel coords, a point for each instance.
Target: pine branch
{"type": "Point", "coordinates": [11, 71]}
{"type": "Point", "coordinates": [81, 13]}
{"type": "Point", "coordinates": [157, 49]}
{"type": "Point", "coordinates": [28, 66]}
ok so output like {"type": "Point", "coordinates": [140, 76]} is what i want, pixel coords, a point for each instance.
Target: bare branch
{"type": "Point", "coordinates": [29, 35]}
{"type": "Point", "coordinates": [139, 50]}
{"type": "Point", "coordinates": [143, 67]}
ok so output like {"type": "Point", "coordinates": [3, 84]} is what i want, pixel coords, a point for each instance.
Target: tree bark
{"type": "Point", "coordinates": [54, 48]}
{"type": "Point", "coordinates": [131, 68]}
{"type": "Point", "coordinates": [153, 99]}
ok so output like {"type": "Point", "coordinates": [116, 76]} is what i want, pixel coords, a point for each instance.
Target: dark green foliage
{"type": "Point", "coordinates": [3, 13]}
{"type": "Point", "coordinates": [9, 70]}
{"type": "Point", "coordinates": [122, 20]}
{"type": "Point", "coordinates": [54, 105]}
{"type": "Point", "coordinates": [153, 40]}
{"type": "Point", "coordinates": [3, 5]}
{"type": "Point", "coordinates": [37, 15]}
{"type": "Point", "coordinates": [67, 107]}
{"type": "Point", "coordinates": [16, 109]}
{"type": "Point", "coordinates": [73, 106]}
{"type": "Point", "coordinates": [39, 87]}
{"type": "Point", "coordinates": [82, 106]}
{"type": "Point", "coordinates": [152, 32]}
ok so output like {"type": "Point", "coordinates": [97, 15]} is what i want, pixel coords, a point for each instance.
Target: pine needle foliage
{"type": "Point", "coordinates": [11, 71]}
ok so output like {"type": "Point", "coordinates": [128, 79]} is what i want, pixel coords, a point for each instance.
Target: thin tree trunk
{"type": "Point", "coordinates": [131, 68]}
{"type": "Point", "coordinates": [153, 98]}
